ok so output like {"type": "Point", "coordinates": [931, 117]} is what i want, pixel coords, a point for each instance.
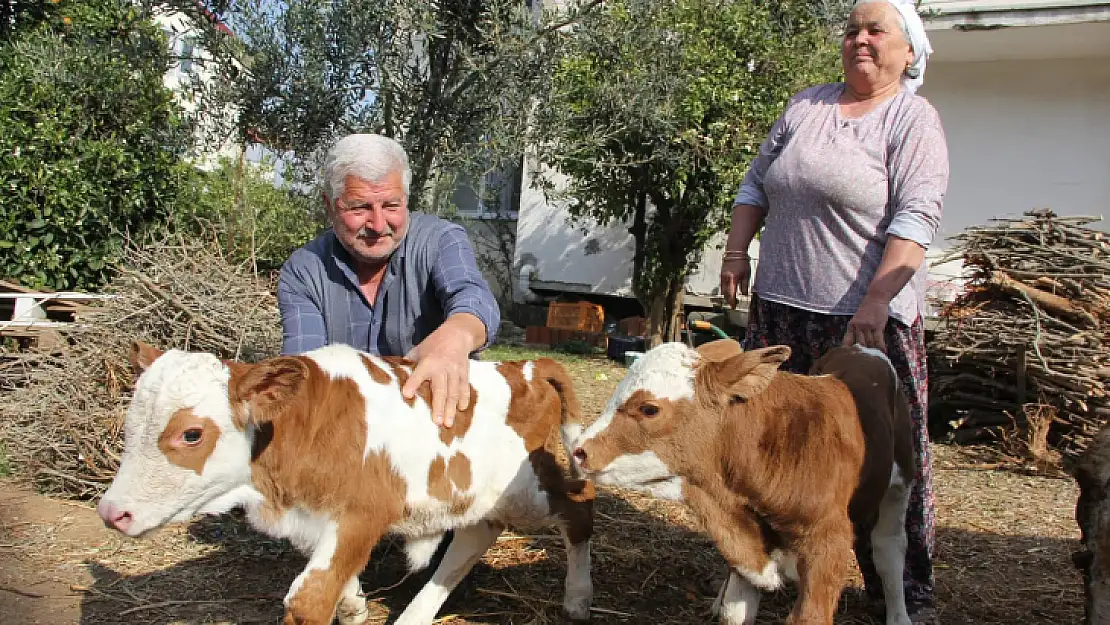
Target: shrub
{"type": "Point", "coordinates": [253, 220]}
{"type": "Point", "coordinates": [91, 142]}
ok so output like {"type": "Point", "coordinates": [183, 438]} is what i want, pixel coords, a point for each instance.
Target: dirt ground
{"type": "Point", "coordinates": [1004, 541]}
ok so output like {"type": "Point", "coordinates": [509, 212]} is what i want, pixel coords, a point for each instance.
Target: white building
{"type": "Point", "coordinates": [194, 65]}
{"type": "Point", "coordinates": [1023, 91]}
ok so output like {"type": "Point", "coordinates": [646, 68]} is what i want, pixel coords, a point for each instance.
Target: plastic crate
{"type": "Point", "coordinates": [579, 316]}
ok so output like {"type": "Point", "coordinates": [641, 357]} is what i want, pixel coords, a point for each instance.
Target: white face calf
{"type": "Point", "coordinates": [667, 370]}
{"type": "Point", "coordinates": [323, 449]}
{"type": "Point", "coordinates": [770, 463]}
{"type": "Point", "coordinates": [183, 450]}
{"type": "Point", "coordinates": [661, 410]}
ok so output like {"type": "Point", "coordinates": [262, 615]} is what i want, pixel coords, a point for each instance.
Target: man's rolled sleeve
{"type": "Point", "coordinates": [459, 283]}
{"type": "Point", "coordinates": [302, 322]}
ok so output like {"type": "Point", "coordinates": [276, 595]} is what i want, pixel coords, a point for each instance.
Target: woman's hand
{"type": "Point", "coordinates": [736, 272]}
{"type": "Point", "coordinates": [868, 325]}
{"type": "Point", "coordinates": [901, 258]}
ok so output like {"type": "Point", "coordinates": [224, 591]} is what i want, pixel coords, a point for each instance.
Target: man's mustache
{"type": "Point", "coordinates": [366, 233]}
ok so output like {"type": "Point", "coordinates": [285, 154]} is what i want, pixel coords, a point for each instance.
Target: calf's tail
{"type": "Point", "coordinates": [570, 422]}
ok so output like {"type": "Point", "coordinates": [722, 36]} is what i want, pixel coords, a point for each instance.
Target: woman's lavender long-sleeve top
{"type": "Point", "coordinates": [834, 188]}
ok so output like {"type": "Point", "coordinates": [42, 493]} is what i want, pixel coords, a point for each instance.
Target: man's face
{"type": "Point", "coordinates": [371, 218]}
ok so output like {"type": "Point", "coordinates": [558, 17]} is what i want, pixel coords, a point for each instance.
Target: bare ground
{"type": "Point", "coordinates": [1004, 541]}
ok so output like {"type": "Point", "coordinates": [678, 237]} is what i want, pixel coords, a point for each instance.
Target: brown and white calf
{"type": "Point", "coordinates": [324, 450]}
{"type": "Point", "coordinates": [1092, 513]}
{"type": "Point", "coordinates": [781, 469]}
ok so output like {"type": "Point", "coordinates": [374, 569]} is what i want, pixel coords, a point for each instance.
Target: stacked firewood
{"type": "Point", "coordinates": [61, 409]}
{"type": "Point", "coordinates": [1026, 347]}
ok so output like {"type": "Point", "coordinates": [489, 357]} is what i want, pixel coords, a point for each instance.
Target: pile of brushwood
{"type": "Point", "coordinates": [61, 410]}
{"type": "Point", "coordinates": [1023, 354]}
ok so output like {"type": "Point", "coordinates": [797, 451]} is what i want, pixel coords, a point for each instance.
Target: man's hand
{"type": "Point", "coordinates": [443, 360]}
{"type": "Point", "coordinates": [868, 325]}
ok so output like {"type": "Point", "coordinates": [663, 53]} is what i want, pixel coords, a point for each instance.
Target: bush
{"type": "Point", "coordinates": [252, 219]}
{"type": "Point", "coordinates": [91, 142]}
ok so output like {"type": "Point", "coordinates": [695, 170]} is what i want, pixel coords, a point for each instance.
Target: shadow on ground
{"type": "Point", "coordinates": [647, 569]}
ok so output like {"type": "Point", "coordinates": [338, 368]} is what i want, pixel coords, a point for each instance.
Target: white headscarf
{"type": "Point", "coordinates": [915, 31]}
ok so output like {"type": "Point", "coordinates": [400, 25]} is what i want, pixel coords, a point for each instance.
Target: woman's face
{"type": "Point", "coordinates": [874, 51]}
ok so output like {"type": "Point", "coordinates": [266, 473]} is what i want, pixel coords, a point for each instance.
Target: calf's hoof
{"type": "Point", "coordinates": [298, 619]}
{"type": "Point", "coordinates": [351, 614]}
{"type": "Point", "coordinates": [577, 610]}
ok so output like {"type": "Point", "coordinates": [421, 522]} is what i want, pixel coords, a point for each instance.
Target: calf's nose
{"type": "Point", "coordinates": [113, 516]}
{"type": "Point", "coordinates": [580, 455]}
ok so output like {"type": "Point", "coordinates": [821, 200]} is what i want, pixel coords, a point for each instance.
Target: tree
{"type": "Point", "coordinates": [654, 113]}
{"type": "Point", "coordinates": [450, 79]}
{"type": "Point", "coordinates": [91, 143]}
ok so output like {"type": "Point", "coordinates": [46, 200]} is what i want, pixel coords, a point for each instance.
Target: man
{"type": "Point", "coordinates": [387, 281]}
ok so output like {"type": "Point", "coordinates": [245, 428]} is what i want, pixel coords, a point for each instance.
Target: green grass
{"type": "Point", "coordinates": [511, 352]}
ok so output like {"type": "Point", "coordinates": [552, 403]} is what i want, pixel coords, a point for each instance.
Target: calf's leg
{"type": "Point", "coordinates": [352, 605]}
{"type": "Point", "coordinates": [341, 551]}
{"type": "Point", "coordinates": [572, 502]}
{"type": "Point", "coordinates": [888, 545]}
{"type": "Point", "coordinates": [466, 548]}
{"type": "Point", "coordinates": [420, 551]}
{"type": "Point", "coordinates": [822, 568]}
{"type": "Point", "coordinates": [739, 601]}
{"type": "Point", "coordinates": [579, 590]}
{"type": "Point", "coordinates": [735, 530]}
{"type": "Point", "coordinates": [715, 609]}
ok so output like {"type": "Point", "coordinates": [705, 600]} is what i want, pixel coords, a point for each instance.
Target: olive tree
{"type": "Point", "coordinates": [654, 112]}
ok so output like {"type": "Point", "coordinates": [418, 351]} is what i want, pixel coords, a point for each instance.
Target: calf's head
{"type": "Point", "coordinates": [667, 408]}
{"type": "Point", "coordinates": [188, 434]}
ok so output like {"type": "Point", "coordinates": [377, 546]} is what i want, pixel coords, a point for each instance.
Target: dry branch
{"type": "Point", "coordinates": [1050, 302]}
{"type": "Point", "coordinates": [1028, 336]}
{"type": "Point", "coordinates": [61, 412]}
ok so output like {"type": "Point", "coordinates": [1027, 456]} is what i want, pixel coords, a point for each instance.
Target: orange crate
{"type": "Point", "coordinates": [580, 316]}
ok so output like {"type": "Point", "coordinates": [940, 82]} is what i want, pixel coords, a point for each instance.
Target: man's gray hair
{"type": "Point", "coordinates": [366, 156]}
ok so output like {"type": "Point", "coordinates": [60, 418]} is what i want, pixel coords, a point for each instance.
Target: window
{"type": "Point", "coordinates": [496, 194]}
{"type": "Point", "coordinates": [185, 55]}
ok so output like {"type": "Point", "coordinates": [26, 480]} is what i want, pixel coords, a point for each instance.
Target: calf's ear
{"type": "Point", "coordinates": [719, 350]}
{"type": "Point", "coordinates": [743, 375]}
{"type": "Point", "coordinates": [265, 387]}
{"type": "Point", "coordinates": [142, 355]}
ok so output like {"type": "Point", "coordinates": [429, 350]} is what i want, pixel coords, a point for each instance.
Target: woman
{"type": "Point", "coordinates": [849, 185]}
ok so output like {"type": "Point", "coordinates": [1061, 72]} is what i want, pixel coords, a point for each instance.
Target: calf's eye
{"type": "Point", "coordinates": [191, 436]}
{"type": "Point", "coordinates": [649, 410]}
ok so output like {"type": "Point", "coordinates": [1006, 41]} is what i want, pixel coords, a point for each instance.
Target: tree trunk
{"type": "Point", "coordinates": [674, 310]}
{"type": "Point", "coordinates": [639, 236]}
{"type": "Point", "coordinates": [664, 321]}
{"type": "Point", "coordinates": [656, 318]}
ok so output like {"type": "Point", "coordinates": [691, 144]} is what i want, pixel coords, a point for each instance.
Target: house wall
{"type": "Point", "coordinates": [1024, 135]}
{"type": "Point", "coordinates": [192, 61]}
{"type": "Point", "coordinates": [585, 257]}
